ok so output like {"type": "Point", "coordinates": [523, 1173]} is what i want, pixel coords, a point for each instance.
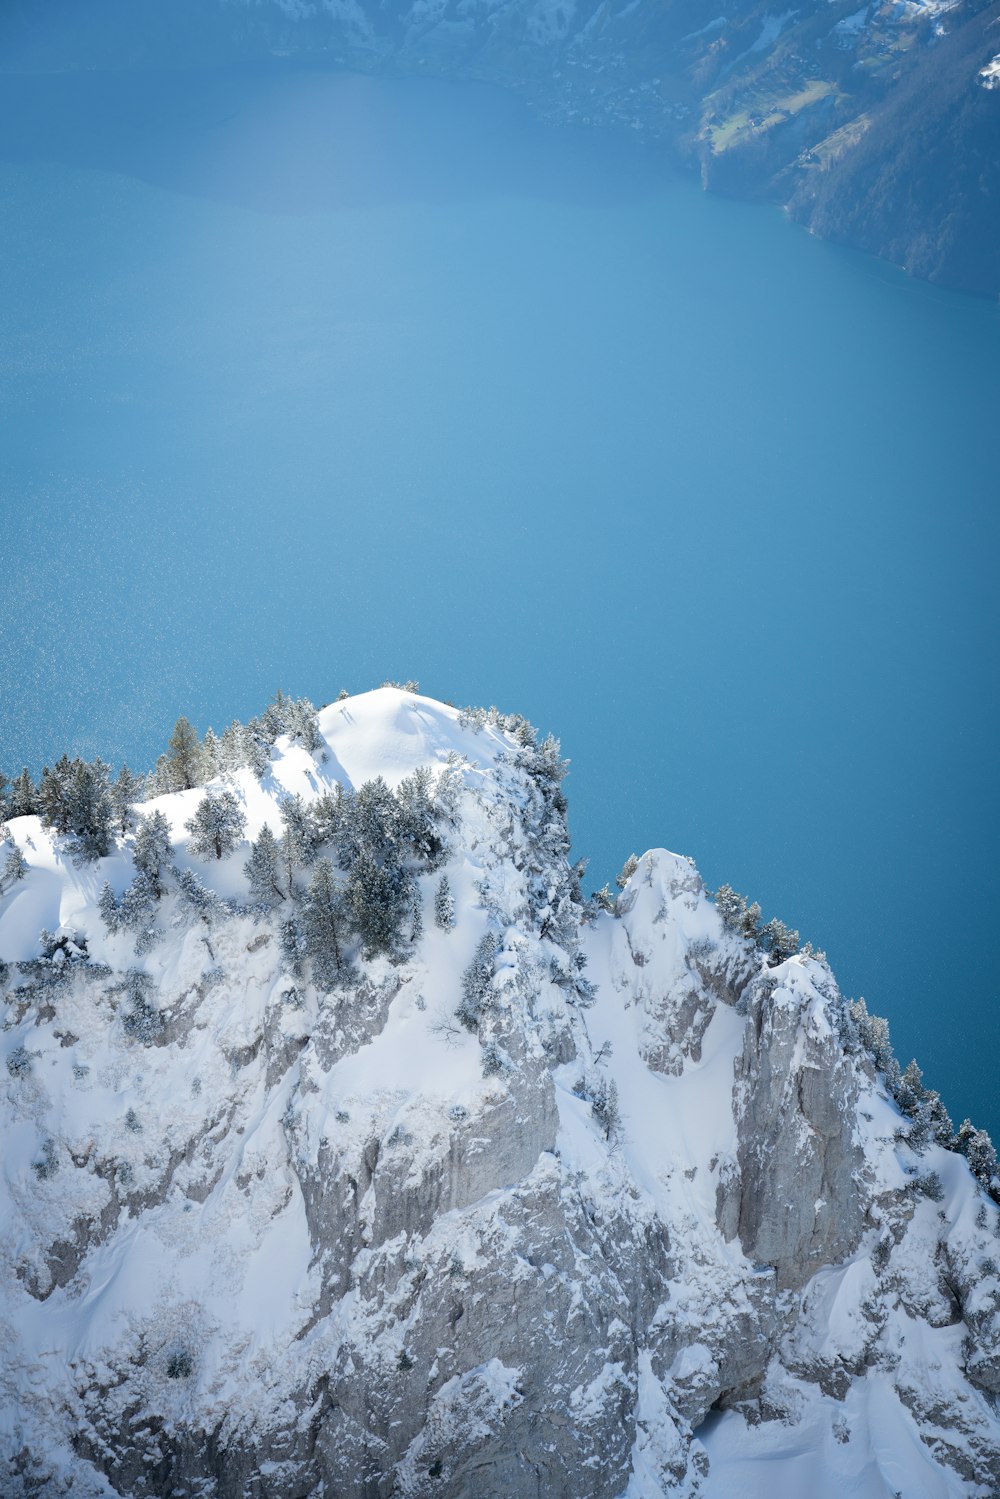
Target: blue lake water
{"type": "Point", "coordinates": [314, 380]}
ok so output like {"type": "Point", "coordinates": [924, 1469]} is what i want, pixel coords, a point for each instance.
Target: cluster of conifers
{"type": "Point", "coordinates": [79, 798]}
{"type": "Point", "coordinates": [340, 869]}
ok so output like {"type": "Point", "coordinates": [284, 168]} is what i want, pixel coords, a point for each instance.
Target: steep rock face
{"type": "Point", "coordinates": [363, 1192]}
{"type": "Point", "coordinates": [677, 979]}
{"type": "Point", "coordinates": [648, 1213]}
{"type": "Point", "coordinates": [797, 1100]}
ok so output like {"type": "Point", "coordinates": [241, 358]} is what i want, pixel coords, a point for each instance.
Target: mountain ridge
{"type": "Point", "coordinates": [528, 1194]}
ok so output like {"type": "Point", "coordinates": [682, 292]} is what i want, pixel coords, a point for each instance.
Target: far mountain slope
{"type": "Point", "coordinates": [877, 124]}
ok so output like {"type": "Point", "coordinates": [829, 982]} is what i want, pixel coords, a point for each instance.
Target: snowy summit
{"type": "Point", "coordinates": [349, 1150]}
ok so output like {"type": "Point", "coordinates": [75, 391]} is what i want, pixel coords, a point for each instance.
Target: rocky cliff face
{"type": "Point", "coordinates": [651, 1225]}
{"type": "Point", "coordinates": [877, 126]}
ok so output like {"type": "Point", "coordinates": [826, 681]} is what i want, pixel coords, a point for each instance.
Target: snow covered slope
{"type": "Point", "coordinates": [647, 1222]}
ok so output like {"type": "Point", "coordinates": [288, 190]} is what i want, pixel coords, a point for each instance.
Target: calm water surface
{"type": "Point", "coordinates": [314, 380]}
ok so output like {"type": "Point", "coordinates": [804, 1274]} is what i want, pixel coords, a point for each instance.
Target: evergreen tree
{"type": "Point", "coordinates": [256, 748]}
{"type": "Point", "coordinates": [924, 1107]}
{"type": "Point", "coordinates": [444, 905]}
{"type": "Point", "coordinates": [152, 849]}
{"type": "Point", "coordinates": [196, 895]}
{"type": "Point", "coordinates": [293, 944]}
{"type": "Point", "coordinates": [184, 757]}
{"type": "Point", "coordinates": [126, 790]}
{"type": "Point", "coordinates": [604, 900]}
{"type": "Point", "coordinates": [416, 916]}
{"type": "Point", "coordinates": [546, 768]}
{"type": "Point", "coordinates": [217, 825]}
{"type": "Point", "coordinates": [328, 815]}
{"type": "Point", "coordinates": [54, 795]}
{"type": "Point", "coordinates": [303, 725]}
{"type": "Point", "coordinates": [137, 911]}
{"type": "Point", "coordinates": [447, 796]}
{"type": "Point", "coordinates": [88, 794]}
{"type": "Point", "coordinates": [873, 1034]}
{"type": "Point", "coordinates": [370, 822]}
{"type": "Point", "coordinates": [107, 906]}
{"type": "Point", "coordinates": [90, 810]}
{"type": "Point", "coordinates": [300, 836]}
{"type": "Point", "coordinates": [158, 782]}
{"type": "Point", "coordinates": [911, 1091]}
{"type": "Point", "coordinates": [210, 755]}
{"type": "Point", "coordinates": [778, 941]}
{"type": "Point", "coordinates": [492, 1058]}
{"type": "Point", "coordinates": [74, 797]}
{"type": "Point", "coordinates": [977, 1147]}
{"type": "Point", "coordinates": [261, 869]}
{"type": "Point", "coordinates": [5, 788]}
{"type": "Point", "coordinates": [322, 927]}
{"type": "Point", "coordinates": [477, 983]}
{"type": "Point", "coordinates": [15, 867]}
{"type": "Point", "coordinates": [939, 1120]}
{"type": "Point", "coordinates": [418, 816]}
{"type": "Point", "coordinates": [736, 913]}
{"type": "Point", "coordinates": [377, 896]}
{"type": "Point", "coordinates": [142, 1021]}
{"type": "Point", "coordinates": [628, 870]}
{"type": "Point", "coordinates": [232, 750]}
{"type": "Point", "coordinates": [22, 799]}
{"type": "Point", "coordinates": [277, 715]}
{"type": "Point", "coordinates": [604, 1105]}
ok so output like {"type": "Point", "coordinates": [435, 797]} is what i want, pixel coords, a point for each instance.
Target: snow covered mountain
{"type": "Point", "coordinates": [519, 1194]}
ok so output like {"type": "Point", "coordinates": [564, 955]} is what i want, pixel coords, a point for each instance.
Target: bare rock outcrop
{"type": "Point", "coordinates": [801, 1203]}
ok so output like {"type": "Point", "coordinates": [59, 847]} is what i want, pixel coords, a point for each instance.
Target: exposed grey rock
{"type": "Point", "coordinates": [796, 1102]}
